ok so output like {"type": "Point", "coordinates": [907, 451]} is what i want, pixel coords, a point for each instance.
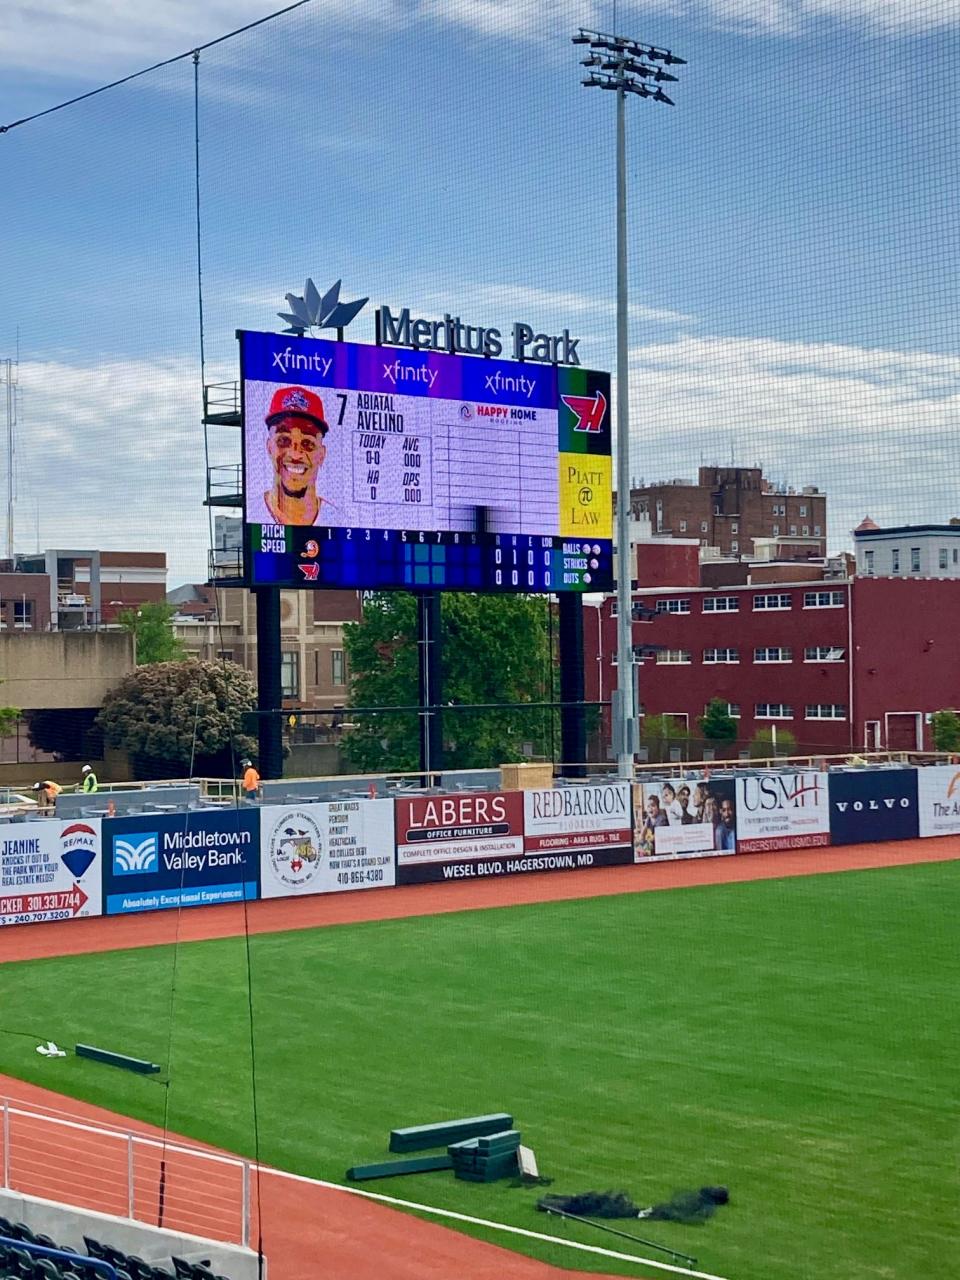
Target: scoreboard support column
{"type": "Point", "coordinates": [573, 725]}
{"type": "Point", "coordinates": [269, 687]}
{"type": "Point", "coordinates": [430, 668]}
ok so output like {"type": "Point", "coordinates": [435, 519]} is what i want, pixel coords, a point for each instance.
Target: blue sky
{"type": "Point", "coordinates": [793, 229]}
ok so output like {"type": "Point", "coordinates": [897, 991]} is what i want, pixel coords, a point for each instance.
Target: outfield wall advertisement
{"type": "Point", "coordinates": [873, 804]}
{"type": "Point", "coordinates": [49, 870]}
{"type": "Point", "coordinates": [326, 848]}
{"type": "Point", "coordinates": [456, 837]}
{"type": "Point", "coordinates": [191, 859]}
{"type": "Point", "coordinates": [938, 800]}
{"type": "Point", "coordinates": [586, 825]}
{"type": "Point", "coordinates": [680, 818]}
{"type": "Point", "coordinates": [782, 811]}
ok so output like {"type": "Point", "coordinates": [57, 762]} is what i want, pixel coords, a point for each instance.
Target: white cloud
{"type": "Point", "coordinates": [99, 38]}
{"type": "Point", "coordinates": [872, 428]}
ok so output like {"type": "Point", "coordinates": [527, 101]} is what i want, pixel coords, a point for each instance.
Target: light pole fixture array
{"type": "Point", "coordinates": [624, 66]}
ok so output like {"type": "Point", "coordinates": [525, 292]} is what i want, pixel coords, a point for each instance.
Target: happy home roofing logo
{"type": "Point", "coordinates": [137, 855]}
{"type": "Point", "coordinates": [78, 843]}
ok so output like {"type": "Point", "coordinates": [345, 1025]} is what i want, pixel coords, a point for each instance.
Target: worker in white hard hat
{"type": "Point", "coordinates": [89, 783]}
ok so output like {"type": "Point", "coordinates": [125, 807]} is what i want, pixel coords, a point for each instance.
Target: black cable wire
{"type": "Point", "coordinates": [167, 62]}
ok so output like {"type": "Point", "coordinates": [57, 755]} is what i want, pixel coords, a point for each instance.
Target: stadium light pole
{"type": "Point", "coordinates": [624, 66]}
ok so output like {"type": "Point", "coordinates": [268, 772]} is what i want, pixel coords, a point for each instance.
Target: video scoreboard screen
{"type": "Point", "coordinates": [381, 467]}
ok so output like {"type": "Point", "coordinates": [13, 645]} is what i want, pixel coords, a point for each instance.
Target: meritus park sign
{"type": "Point", "coordinates": [401, 329]}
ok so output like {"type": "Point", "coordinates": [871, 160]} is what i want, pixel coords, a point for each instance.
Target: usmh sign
{"type": "Point", "coordinates": [452, 335]}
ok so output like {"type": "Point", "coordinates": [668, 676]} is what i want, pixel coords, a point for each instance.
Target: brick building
{"type": "Point", "coordinates": [730, 508]}
{"type": "Point", "coordinates": [840, 662]}
{"type": "Point", "coordinates": [313, 669]}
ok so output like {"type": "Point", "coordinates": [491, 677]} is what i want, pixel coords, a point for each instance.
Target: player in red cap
{"type": "Point", "coordinates": [296, 425]}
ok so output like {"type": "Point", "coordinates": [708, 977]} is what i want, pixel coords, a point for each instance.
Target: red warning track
{"type": "Point", "coordinates": [310, 1230]}
{"type": "Point", "coordinates": [118, 933]}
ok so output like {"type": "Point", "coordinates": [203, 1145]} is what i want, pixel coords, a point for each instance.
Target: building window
{"type": "Point", "coordinates": [816, 531]}
{"type": "Point", "coordinates": [337, 669]}
{"type": "Point", "coordinates": [734, 526]}
{"type": "Point", "coordinates": [721, 655]}
{"type": "Point", "coordinates": [868, 562]}
{"type": "Point", "coordinates": [613, 608]}
{"type": "Point", "coordinates": [803, 509]}
{"type": "Point", "coordinates": [224, 655]}
{"type": "Point", "coordinates": [823, 599]}
{"type": "Point", "coordinates": [290, 674]}
{"type": "Point", "coordinates": [777, 600]}
{"type": "Point", "coordinates": [23, 615]}
{"type": "Point", "coordinates": [806, 531]}
{"type": "Point", "coordinates": [721, 604]}
{"type": "Point", "coordinates": [956, 555]}
{"type": "Point", "coordinates": [773, 711]}
{"type": "Point", "coordinates": [793, 531]}
{"type": "Point", "coordinates": [734, 545]}
{"type": "Point", "coordinates": [673, 606]}
{"type": "Point", "coordinates": [704, 526]}
{"type": "Point", "coordinates": [824, 653]}
{"type": "Point", "coordinates": [733, 710]}
{"type": "Point", "coordinates": [673, 657]}
{"type": "Point", "coordinates": [683, 526]}
{"type": "Point", "coordinates": [776, 531]}
{"type": "Point", "coordinates": [895, 560]}
{"type": "Point", "coordinates": [943, 557]}
{"type": "Point", "coordinates": [914, 559]}
{"type": "Point", "coordinates": [826, 711]}
{"type": "Point", "coordinates": [773, 655]}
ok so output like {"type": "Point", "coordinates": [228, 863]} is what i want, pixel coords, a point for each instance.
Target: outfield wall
{"type": "Point", "coordinates": [59, 868]}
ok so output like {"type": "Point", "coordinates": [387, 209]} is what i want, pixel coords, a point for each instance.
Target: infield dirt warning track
{"type": "Point", "coordinates": [311, 1230]}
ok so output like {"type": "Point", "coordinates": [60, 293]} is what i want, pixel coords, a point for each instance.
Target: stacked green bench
{"type": "Point", "coordinates": [422, 1137]}
{"type": "Point", "coordinates": [487, 1158]}
{"type": "Point", "coordinates": [393, 1168]}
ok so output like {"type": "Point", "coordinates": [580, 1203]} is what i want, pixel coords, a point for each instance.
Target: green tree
{"type": "Point", "coordinates": [169, 715]}
{"type": "Point", "coordinates": [152, 629]}
{"type": "Point", "coordinates": [761, 744]}
{"type": "Point", "coordinates": [495, 650]}
{"type": "Point", "coordinates": [946, 730]}
{"type": "Point", "coordinates": [716, 723]}
{"type": "Point", "coordinates": [659, 733]}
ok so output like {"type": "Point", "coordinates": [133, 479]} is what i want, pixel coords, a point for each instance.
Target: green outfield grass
{"type": "Point", "coordinates": [796, 1040]}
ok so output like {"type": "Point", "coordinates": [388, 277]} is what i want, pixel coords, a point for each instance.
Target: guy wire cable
{"type": "Point", "coordinates": [218, 617]}
{"type": "Point", "coordinates": [114, 84]}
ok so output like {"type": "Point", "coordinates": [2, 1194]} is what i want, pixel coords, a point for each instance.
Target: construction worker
{"type": "Point", "coordinates": [250, 784]}
{"type": "Point", "coordinates": [89, 783]}
{"type": "Point", "coordinates": [47, 793]}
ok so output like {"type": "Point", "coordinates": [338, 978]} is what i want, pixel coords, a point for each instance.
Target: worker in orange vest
{"type": "Point", "coordinates": [250, 784]}
{"type": "Point", "coordinates": [47, 795]}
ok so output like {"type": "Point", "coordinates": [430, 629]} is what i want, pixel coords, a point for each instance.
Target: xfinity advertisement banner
{"type": "Point", "coordinates": [326, 848]}
{"type": "Point", "coordinates": [180, 860]}
{"type": "Point", "coordinates": [680, 818]}
{"type": "Point", "coordinates": [782, 811]}
{"type": "Point", "coordinates": [460, 836]}
{"type": "Point", "coordinates": [938, 800]}
{"type": "Point", "coordinates": [873, 804]}
{"type": "Point", "coordinates": [49, 870]}
{"type": "Point", "coordinates": [566, 821]}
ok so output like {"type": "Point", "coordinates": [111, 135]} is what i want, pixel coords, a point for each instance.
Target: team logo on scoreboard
{"type": "Point", "coordinates": [466, 413]}
{"type": "Point", "coordinates": [311, 550]}
{"type": "Point", "coordinates": [589, 411]}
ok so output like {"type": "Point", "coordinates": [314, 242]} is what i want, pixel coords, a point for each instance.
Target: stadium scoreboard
{"type": "Point", "coordinates": [422, 469]}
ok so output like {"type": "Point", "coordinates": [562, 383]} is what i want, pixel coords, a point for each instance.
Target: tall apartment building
{"type": "Point", "coordinates": [731, 508]}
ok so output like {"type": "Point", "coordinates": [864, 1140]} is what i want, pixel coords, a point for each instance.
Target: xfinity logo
{"type": "Point", "coordinates": [860, 806]}
{"type": "Point", "coordinates": [396, 373]}
{"type": "Point", "coordinates": [287, 361]}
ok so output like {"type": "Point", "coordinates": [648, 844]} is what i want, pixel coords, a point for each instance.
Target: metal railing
{"type": "Point", "coordinates": [125, 1174]}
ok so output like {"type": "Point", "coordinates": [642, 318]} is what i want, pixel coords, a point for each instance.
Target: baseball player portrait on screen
{"type": "Point", "coordinates": [296, 426]}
